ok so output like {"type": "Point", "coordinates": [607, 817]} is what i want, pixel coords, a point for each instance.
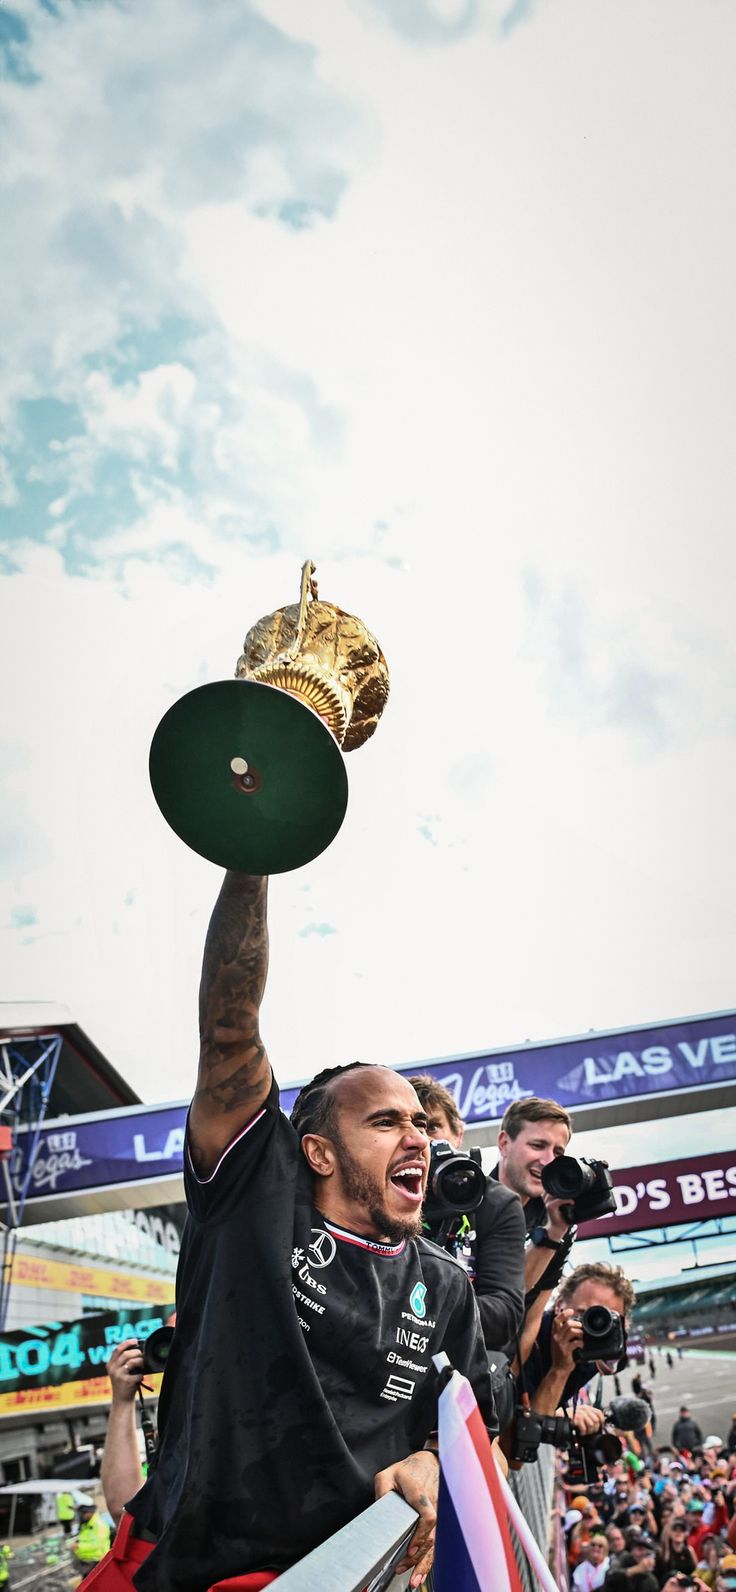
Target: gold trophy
{"type": "Point", "coordinates": [249, 772]}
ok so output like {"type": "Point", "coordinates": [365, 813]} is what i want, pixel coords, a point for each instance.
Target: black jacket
{"type": "Point", "coordinates": [499, 1264]}
{"type": "Point", "coordinates": [686, 1433]}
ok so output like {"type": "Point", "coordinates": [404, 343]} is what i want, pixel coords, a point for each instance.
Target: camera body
{"type": "Point", "coordinates": [586, 1456]}
{"type": "Point", "coordinates": [604, 1335]}
{"type": "Point", "coordinates": [586, 1187]}
{"type": "Point", "coordinates": [456, 1182]}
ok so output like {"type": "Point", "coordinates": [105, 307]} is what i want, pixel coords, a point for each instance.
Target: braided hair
{"type": "Point", "coordinates": [314, 1110]}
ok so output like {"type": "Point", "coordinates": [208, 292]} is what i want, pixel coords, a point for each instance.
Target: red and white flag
{"type": "Point", "coordinates": [474, 1550]}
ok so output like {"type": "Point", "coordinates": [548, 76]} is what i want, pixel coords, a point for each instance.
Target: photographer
{"type": "Point", "coordinates": [534, 1133]}
{"type": "Point", "coordinates": [552, 1374]}
{"type": "Point", "coordinates": [489, 1241]}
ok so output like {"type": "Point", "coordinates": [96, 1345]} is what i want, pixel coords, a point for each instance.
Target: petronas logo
{"type": "Point", "coordinates": [417, 1298]}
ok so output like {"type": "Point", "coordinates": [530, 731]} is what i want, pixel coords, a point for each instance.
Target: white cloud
{"type": "Point", "coordinates": [489, 389]}
{"type": "Point", "coordinates": [134, 115]}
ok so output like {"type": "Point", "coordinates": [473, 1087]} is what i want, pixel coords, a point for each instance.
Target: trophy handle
{"type": "Point", "coordinates": [309, 588]}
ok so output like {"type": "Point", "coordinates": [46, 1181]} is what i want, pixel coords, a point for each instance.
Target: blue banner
{"type": "Point", "coordinates": [101, 1151]}
{"type": "Point", "coordinates": [627, 1064]}
{"type": "Point", "coordinates": [145, 1143]}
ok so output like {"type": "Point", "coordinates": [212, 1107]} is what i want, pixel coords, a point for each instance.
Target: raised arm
{"type": "Point", "coordinates": [234, 1074]}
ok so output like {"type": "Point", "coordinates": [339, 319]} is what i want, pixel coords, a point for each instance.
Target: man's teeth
{"type": "Point", "coordinates": [411, 1175]}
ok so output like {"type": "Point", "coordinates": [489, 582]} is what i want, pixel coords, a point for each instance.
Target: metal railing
{"type": "Point", "coordinates": [533, 1487]}
{"type": "Point", "coordinates": [362, 1555]}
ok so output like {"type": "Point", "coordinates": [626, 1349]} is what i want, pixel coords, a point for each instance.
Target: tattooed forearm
{"type": "Point", "coordinates": [234, 969]}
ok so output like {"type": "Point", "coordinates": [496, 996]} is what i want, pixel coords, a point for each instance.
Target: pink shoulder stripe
{"type": "Point", "coordinates": [226, 1151]}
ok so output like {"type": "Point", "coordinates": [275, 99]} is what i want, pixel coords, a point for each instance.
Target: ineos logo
{"type": "Point", "coordinates": [322, 1249]}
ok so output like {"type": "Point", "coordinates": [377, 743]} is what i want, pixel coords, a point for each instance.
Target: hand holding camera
{"type": "Point", "coordinates": [588, 1420]}
{"type": "Point", "coordinates": [558, 1217]}
{"type": "Point", "coordinates": [125, 1370]}
{"type": "Point", "coordinates": [596, 1335]}
{"type": "Point", "coordinates": [567, 1336]}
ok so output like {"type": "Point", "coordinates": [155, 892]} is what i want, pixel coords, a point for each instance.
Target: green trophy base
{"type": "Point", "coordinates": [249, 777]}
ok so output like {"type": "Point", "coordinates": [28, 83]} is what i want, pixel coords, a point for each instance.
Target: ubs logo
{"type": "Point", "coordinates": [322, 1249]}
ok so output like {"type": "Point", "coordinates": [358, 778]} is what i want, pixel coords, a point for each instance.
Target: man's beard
{"type": "Point", "coordinates": [359, 1185]}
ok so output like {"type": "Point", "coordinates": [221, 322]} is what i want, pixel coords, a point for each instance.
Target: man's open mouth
{"type": "Point", "coordinates": [409, 1182]}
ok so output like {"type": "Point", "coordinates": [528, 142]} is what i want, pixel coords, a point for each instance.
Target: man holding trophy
{"type": "Point", "coordinates": [300, 1382]}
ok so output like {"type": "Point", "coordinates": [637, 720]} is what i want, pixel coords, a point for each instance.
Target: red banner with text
{"type": "Point", "coordinates": [668, 1193]}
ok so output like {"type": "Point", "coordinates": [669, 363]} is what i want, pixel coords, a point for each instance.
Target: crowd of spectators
{"type": "Point", "coordinates": [659, 1519]}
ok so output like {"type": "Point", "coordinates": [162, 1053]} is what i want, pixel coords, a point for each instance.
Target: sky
{"type": "Point", "coordinates": [438, 293]}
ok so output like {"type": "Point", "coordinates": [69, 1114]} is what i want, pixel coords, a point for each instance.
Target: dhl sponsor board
{"type": "Point", "coordinates": [70, 1395]}
{"type": "Point", "coordinates": [29, 1271]}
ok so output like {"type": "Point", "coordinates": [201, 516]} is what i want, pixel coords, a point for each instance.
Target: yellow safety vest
{"type": "Point", "coordinates": [5, 1554]}
{"type": "Point", "coordinates": [92, 1541]}
{"type": "Point", "coordinates": [65, 1507]}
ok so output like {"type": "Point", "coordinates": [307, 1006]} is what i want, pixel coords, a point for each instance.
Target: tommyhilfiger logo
{"type": "Point", "coordinates": [372, 1244]}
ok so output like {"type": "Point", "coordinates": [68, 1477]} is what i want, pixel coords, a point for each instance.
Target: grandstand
{"type": "Point", "coordinates": [696, 1307]}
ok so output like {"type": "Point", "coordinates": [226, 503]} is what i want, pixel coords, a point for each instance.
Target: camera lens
{"type": "Point", "coordinates": [597, 1321]}
{"type": "Point", "coordinates": [564, 1178]}
{"type": "Point", "coordinates": [156, 1349]}
{"type": "Point", "coordinates": [607, 1448]}
{"type": "Point", "coordinates": [460, 1185]}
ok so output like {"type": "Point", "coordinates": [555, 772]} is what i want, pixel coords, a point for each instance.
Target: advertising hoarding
{"type": "Point", "coordinates": [61, 1364]}
{"type": "Point", "coordinates": [668, 1193]}
{"type": "Point", "coordinates": [594, 1070]}
{"type": "Point", "coordinates": [31, 1271]}
{"type": "Point", "coordinates": [138, 1151]}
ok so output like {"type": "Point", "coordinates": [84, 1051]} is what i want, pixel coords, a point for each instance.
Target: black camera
{"type": "Point", "coordinates": [604, 1335]}
{"type": "Point", "coordinates": [586, 1455]}
{"type": "Point", "coordinates": [531, 1429]}
{"type": "Point", "coordinates": [586, 1187]}
{"type": "Point", "coordinates": [155, 1350]}
{"type": "Point", "coordinates": [456, 1182]}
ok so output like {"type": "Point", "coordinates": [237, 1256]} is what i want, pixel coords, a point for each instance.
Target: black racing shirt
{"type": "Point", "coordinates": [300, 1366]}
